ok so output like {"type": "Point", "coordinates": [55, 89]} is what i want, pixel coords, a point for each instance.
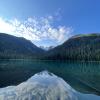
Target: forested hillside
{"type": "Point", "coordinates": [79, 47]}
{"type": "Point", "coordinates": [16, 47]}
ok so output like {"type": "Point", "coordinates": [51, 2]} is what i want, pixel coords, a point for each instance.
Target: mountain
{"type": "Point", "coordinates": [47, 47]}
{"type": "Point", "coordinates": [79, 47]}
{"type": "Point", "coordinates": [17, 47]}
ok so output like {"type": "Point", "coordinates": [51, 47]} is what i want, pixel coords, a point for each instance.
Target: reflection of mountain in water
{"type": "Point", "coordinates": [82, 76]}
{"type": "Point", "coordinates": [43, 86]}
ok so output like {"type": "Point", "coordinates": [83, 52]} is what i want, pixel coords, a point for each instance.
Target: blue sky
{"type": "Point", "coordinates": [49, 22]}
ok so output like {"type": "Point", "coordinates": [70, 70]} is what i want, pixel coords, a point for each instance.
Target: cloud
{"type": "Point", "coordinates": [36, 29]}
{"type": "Point", "coordinates": [5, 26]}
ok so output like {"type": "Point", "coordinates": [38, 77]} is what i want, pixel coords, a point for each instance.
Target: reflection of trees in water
{"type": "Point", "coordinates": [83, 76]}
{"type": "Point", "coordinates": [87, 73]}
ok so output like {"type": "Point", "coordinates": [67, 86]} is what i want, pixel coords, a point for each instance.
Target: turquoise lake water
{"type": "Point", "coordinates": [82, 76]}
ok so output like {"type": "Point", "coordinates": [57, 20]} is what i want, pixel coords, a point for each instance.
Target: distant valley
{"type": "Point", "coordinates": [46, 48]}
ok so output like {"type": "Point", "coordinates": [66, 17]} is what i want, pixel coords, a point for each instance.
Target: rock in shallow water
{"type": "Point", "coordinates": [43, 86]}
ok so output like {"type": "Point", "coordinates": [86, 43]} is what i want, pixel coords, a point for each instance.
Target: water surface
{"type": "Point", "coordinates": [82, 76]}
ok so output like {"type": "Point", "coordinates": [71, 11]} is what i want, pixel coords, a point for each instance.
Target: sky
{"type": "Point", "coordinates": [49, 22]}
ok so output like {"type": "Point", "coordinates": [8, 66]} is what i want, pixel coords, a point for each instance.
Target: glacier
{"type": "Point", "coordinates": [44, 86]}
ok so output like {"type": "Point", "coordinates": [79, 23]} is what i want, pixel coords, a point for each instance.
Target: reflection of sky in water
{"type": "Point", "coordinates": [43, 86]}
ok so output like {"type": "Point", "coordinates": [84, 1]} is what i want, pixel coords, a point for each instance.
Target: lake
{"type": "Point", "coordinates": [82, 76]}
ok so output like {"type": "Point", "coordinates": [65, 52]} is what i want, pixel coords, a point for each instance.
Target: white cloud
{"type": "Point", "coordinates": [6, 26]}
{"type": "Point", "coordinates": [36, 29]}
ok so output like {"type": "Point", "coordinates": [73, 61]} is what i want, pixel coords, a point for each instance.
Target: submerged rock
{"type": "Point", "coordinates": [42, 86]}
